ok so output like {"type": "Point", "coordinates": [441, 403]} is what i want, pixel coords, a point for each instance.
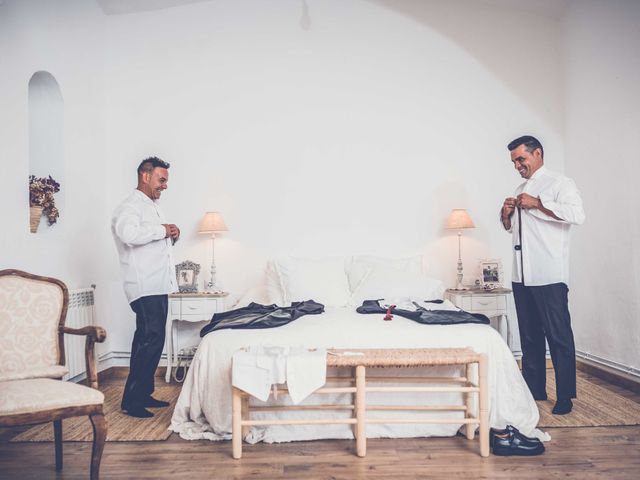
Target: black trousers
{"type": "Point", "coordinates": [543, 311]}
{"type": "Point", "coordinates": [146, 349]}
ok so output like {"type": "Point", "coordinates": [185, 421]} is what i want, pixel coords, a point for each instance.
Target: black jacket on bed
{"type": "Point", "coordinates": [255, 316]}
{"type": "Point", "coordinates": [422, 315]}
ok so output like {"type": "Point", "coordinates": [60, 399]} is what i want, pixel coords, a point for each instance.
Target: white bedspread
{"type": "Point", "coordinates": [203, 409]}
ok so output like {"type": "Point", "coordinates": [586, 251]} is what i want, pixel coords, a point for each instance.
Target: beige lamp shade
{"type": "Point", "coordinates": [459, 219]}
{"type": "Point", "coordinates": [212, 222]}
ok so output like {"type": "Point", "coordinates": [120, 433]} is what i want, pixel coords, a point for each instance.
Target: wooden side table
{"type": "Point", "coordinates": [188, 307]}
{"type": "Point", "coordinates": [492, 303]}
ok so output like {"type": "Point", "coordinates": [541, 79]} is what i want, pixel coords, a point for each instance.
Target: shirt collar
{"type": "Point", "coordinates": [536, 174]}
{"type": "Point", "coordinates": [142, 196]}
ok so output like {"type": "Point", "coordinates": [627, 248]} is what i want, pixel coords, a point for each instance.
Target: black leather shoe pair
{"type": "Point", "coordinates": [153, 403]}
{"type": "Point", "coordinates": [562, 407]}
{"type": "Point", "coordinates": [510, 441]}
{"type": "Point", "coordinates": [138, 412]}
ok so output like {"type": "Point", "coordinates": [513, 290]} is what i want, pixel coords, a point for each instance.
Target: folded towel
{"type": "Point", "coordinates": [306, 372]}
{"type": "Point", "coordinates": [257, 368]}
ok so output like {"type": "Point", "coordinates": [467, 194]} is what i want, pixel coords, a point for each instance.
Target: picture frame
{"type": "Point", "coordinates": [187, 276]}
{"type": "Point", "coordinates": [491, 275]}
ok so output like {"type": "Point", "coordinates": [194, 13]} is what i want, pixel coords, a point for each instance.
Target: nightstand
{"type": "Point", "coordinates": [188, 307]}
{"type": "Point", "coordinates": [492, 303]}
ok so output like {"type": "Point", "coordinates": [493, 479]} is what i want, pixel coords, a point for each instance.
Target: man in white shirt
{"type": "Point", "coordinates": [144, 241]}
{"type": "Point", "coordinates": [540, 217]}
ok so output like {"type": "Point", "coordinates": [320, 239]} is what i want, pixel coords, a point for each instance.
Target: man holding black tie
{"type": "Point", "coordinates": [540, 217]}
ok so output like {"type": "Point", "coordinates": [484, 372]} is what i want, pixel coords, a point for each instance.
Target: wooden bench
{"type": "Point", "coordinates": [384, 358]}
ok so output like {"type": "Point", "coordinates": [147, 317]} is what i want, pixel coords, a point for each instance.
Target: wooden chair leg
{"type": "Point", "coordinates": [236, 423]}
{"type": "Point", "coordinates": [470, 428]}
{"type": "Point", "coordinates": [361, 412]}
{"type": "Point", "coordinates": [484, 405]}
{"type": "Point", "coordinates": [99, 437]}
{"type": "Point", "coordinates": [57, 437]}
{"type": "Point", "coordinates": [245, 414]}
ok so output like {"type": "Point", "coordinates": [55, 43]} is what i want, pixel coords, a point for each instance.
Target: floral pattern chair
{"type": "Point", "coordinates": [32, 315]}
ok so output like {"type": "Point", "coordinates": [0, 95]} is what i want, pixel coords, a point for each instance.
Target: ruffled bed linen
{"type": "Point", "coordinates": [203, 410]}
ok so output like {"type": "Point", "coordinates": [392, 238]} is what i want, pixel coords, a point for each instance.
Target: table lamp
{"type": "Point", "coordinates": [459, 219]}
{"type": "Point", "coordinates": [212, 223]}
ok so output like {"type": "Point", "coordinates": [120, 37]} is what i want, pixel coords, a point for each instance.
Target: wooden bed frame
{"type": "Point", "coordinates": [383, 358]}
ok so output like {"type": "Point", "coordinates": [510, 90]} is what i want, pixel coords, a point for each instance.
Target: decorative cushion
{"type": "Point", "coordinates": [321, 279]}
{"type": "Point", "coordinates": [54, 371]}
{"type": "Point", "coordinates": [29, 316]}
{"type": "Point", "coordinates": [37, 395]}
{"type": "Point", "coordinates": [361, 265]}
{"type": "Point", "coordinates": [394, 283]}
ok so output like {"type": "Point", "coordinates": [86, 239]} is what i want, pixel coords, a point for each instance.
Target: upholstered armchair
{"type": "Point", "coordinates": [32, 315]}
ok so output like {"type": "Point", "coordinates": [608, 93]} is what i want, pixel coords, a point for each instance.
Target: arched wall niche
{"type": "Point", "coordinates": [46, 132]}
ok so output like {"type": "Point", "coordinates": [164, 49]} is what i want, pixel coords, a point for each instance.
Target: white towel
{"type": "Point", "coordinates": [306, 372]}
{"type": "Point", "coordinates": [259, 367]}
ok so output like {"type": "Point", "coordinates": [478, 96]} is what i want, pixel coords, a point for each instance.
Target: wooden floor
{"type": "Point", "coordinates": [581, 453]}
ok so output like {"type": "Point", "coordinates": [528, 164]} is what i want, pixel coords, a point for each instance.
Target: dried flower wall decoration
{"type": "Point", "coordinates": [41, 192]}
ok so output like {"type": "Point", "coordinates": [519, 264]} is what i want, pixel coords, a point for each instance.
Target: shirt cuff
{"type": "Point", "coordinates": [549, 204]}
{"type": "Point", "coordinates": [160, 233]}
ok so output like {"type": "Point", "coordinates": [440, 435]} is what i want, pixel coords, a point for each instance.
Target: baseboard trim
{"type": "Point", "coordinates": [609, 374]}
{"type": "Point", "coordinates": [120, 373]}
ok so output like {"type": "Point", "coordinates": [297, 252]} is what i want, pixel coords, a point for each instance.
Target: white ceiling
{"type": "Point", "coordinates": [548, 8]}
{"type": "Point", "coordinates": [120, 7]}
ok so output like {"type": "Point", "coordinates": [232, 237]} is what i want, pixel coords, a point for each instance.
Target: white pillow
{"type": "Point", "coordinates": [274, 286]}
{"type": "Point", "coordinates": [392, 283]}
{"type": "Point", "coordinates": [361, 265]}
{"type": "Point", "coordinates": [256, 294]}
{"type": "Point", "coordinates": [321, 279]}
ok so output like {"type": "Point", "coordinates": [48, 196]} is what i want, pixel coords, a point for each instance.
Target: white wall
{"type": "Point", "coordinates": [355, 135]}
{"type": "Point", "coordinates": [64, 39]}
{"type": "Point", "coordinates": [603, 128]}
{"type": "Point", "coordinates": [354, 130]}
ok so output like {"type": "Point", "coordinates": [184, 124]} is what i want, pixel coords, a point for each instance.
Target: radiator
{"type": "Point", "coordinates": [81, 313]}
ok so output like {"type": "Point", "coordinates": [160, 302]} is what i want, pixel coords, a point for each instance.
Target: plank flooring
{"type": "Point", "coordinates": [580, 453]}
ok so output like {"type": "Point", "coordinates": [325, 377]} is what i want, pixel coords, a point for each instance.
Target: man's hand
{"type": "Point", "coordinates": [508, 207]}
{"type": "Point", "coordinates": [172, 231]}
{"type": "Point", "coordinates": [527, 202]}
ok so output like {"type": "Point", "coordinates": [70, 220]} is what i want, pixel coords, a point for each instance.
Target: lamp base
{"type": "Point", "coordinates": [211, 288]}
{"type": "Point", "coordinates": [459, 277]}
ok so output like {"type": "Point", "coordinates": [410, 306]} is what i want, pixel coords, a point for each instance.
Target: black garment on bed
{"type": "Point", "coordinates": [255, 316]}
{"type": "Point", "coordinates": [427, 317]}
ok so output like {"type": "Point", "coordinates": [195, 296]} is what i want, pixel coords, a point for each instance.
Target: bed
{"type": "Point", "coordinates": [203, 410]}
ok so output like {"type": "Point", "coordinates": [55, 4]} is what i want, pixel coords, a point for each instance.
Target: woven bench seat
{"type": "Point", "coordinates": [359, 360]}
{"type": "Point", "coordinates": [401, 357]}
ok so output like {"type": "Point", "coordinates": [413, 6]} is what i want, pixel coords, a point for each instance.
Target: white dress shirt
{"type": "Point", "coordinates": [145, 254]}
{"type": "Point", "coordinates": [545, 240]}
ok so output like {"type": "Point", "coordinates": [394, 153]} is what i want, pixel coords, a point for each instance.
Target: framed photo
{"type": "Point", "coordinates": [187, 276]}
{"type": "Point", "coordinates": [491, 273]}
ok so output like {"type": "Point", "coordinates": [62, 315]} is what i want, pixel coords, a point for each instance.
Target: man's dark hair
{"type": "Point", "coordinates": [530, 143]}
{"type": "Point", "coordinates": [148, 164]}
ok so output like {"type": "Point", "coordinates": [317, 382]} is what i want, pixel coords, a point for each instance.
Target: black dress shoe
{"type": "Point", "coordinates": [562, 407]}
{"type": "Point", "coordinates": [138, 412]}
{"type": "Point", "coordinates": [510, 441]}
{"type": "Point", "coordinates": [540, 397]}
{"type": "Point", "coordinates": [153, 403]}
